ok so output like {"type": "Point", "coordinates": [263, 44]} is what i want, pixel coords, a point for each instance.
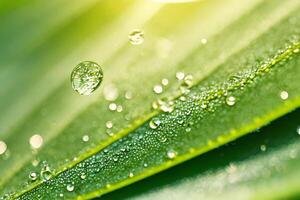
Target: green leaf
{"type": "Point", "coordinates": [251, 57]}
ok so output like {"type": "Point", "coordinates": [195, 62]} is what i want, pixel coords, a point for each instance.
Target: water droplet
{"type": "Point", "coordinates": [284, 95]}
{"type": "Point", "coordinates": [32, 176]}
{"type": "Point", "coordinates": [230, 100]}
{"type": "Point", "coordinates": [263, 147]}
{"type": "Point", "coordinates": [182, 98]}
{"type": "Point", "coordinates": [46, 173]}
{"type": "Point", "coordinates": [171, 154]}
{"type": "Point", "coordinates": [115, 159]}
{"type": "Point", "coordinates": [85, 138]}
{"type": "Point", "coordinates": [111, 93]}
{"type": "Point", "coordinates": [128, 95]}
{"type": "Point", "coordinates": [83, 176]}
{"type": "Point", "coordinates": [119, 108]}
{"type": "Point", "coordinates": [109, 124]}
{"type": "Point", "coordinates": [136, 37]}
{"type": "Point", "coordinates": [145, 165]}
{"type": "Point", "coordinates": [36, 141]}
{"type": "Point", "coordinates": [70, 187]}
{"type": "Point", "coordinates": [188, 129]}
{"type": "Point", "coordinates": [3, 147]}
{"type": "Point", "coordinates": [298, 130]}
{"type": "Point", "coordinates": [165, 82]}
{"type": "Point", "coordinates": [203, 40]}
{"type": "Point", "coordinates": [130, 175]}
{"type": "Point", "coordinates": [158, 89]}
{"type": "Point", "coordinates": [35, 162]}
{"type": "Point", "coordinates": [112, 106]}
{"type": "Point", "coordinates": [61, 194]}
{"type": "Point", "coordinates": [180, 75]}
{"type": "Point", "coordinates": [86, 77]}
{"type": "Point", "coordinates": [296, 50]}
{"type": "Point", "coordinates": [154, 123]}
{"type": "Point", "coordinates": [188, 80]}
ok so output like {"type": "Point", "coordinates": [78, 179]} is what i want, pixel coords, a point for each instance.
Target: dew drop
{"type": "Point", "coordinates": [86, 77]}
{"type": "Point", "coordinates": [109, 124]}
{"type": "Point", "coordinates": [35, 162]}
{"type": "Point", "coordinates": [83, 176]}
{"type": "Point", "coordinates": [263, 147]}
{"type": "Point", "coordinates": [85, 138]}
{"type": "Point", "coordinates": [36, 141]}
{"type": "Point", "coordinates": [230, 100]}
{"type": "Point", "coordinates": [203, 40]}
{"type": "Point", "coordinates": [154, 123]}
{"type": "Point", "coordinates": [165, 82]}
{"type": "Point", "coordinates": [171, 154]}
{"type": "Point", "coordinates": [110, 92]}
{"type": "Point", "coordinates": [61, 194]}
{"type": "Point", "coordinates": [115, 159]}
{"type": "Point", "coordinates": [70, 187]}
{"type": "Point", "coordinates": [296, 50]}
{"type": "Point", "coordinates": [3, 147]}
{"type": "Point", "coordinates": [119, 108]}
{"type": "Point", "coordinates": [112, 106]}
{"type": "Point", "coordinates": [32, 176]}
{"type": "Point", "coordinates": [188, 129]}
{"type": "Point", "coordinates": [158, 89]}
{"type": "Point", "coordinates": [180, 75]}
{"type": "Point", "coordinates": [284, 95]}
{"type": "Point", "coordinates": [136, 37]}
{"type": "Point", "coordinates": [130, 175]}
{"type": "Point", "coordinates": [46, 173]}
{"type": "Point", "coordinates": [128, 95]}
{"type": "Point", "coordinates": [298, 130]}
{"type": "Point", "coordinates": [188, 80]}
{"type": "Point", "coordinates": [145, 165]}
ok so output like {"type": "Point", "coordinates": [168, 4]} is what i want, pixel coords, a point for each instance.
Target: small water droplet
{"type": "Point", "coordinates": [296, 50]}
{"type": "Point", "coordinates": [46, 173]}
{"type": "Point", "coordinates": [86, 77]}
{"type": "Point", "coordinates": [3, 147]}
{"type": "Point", "coordinates": [112, 106]}
{"type": "Point", "coordinates": [145, 165]}
{"type": "Point", "coordinates": [136, 37]}
{"type": "Point", "coordinates": [171, 154]}
{"type": "Point", "coordinates": [165, 82]}
{"type": "Point", "coordinates": [130, 175]}
{"type": "Point", "coordinates": [182, 98]}
{"type": "Point", "coordinates": [111, 93]}
{"type": "Point", "coordinates": [188, 129]}
{"type": "Point", "coordinates": [230, 100]}
{"type": "Point", "coordinates": [158, 89]}
{"type": "Point", "coordinates": [284, 95]}
{"type": "Point", "coordinates": [32, 176]}
{"type": "Point", "coordinates": [119, 108]}
{"type": "Point", "coordinates": [61, 195]}
{"type": "Point", "coordinates": [203, 40]}
{"type": "Point", "coordinates": [109, 124]}
{"type": "Point", "coordinates": [263, 147]}
{"type": "Point", "coordinates": [188, 80]}
{"type": "Point", "coordinates": [154, 123]}
{"type": "Point", "coordinates": [115, 159]}
{"type": "Point", "coordinates": [298, 130]}
{"type": "Point", "coordinates": [85, 138]}
{"type": "Point", "coordinates": [36, 141]}
{"type": "Point", "coordinates": [128, 95]}
{"type": "Point", "coordinates": [180, 76]}
{"type": "Point", "coordinates": [82, 175]}
{"type": "Point", "coordinates": [70, 187]}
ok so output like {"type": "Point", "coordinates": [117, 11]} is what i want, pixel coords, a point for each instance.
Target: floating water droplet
{"type": "Point", "coordinates": [203, 40]}
{"type": "Point", "coordinates": [284, 95]}
{"type": "Point", "coordinates": [86, 77]}
{"type": "Point", "coordinates": [82, 175]}
{"type": "Point", "coordinates": [3, 147]}
{"type": "Point", "coordinates": [180, 75]}
{"type": "Point", "coordinates": [230, 100]}
{"type": "Point", "coordinates": [70, 187]}
{"type": "Point", "coordinates": [36, 141]}
{"type": "Point", "coordinates": [32, 176]}
{"type": "Point", "coordinates": [130, 175]}
{"type": "Point", "coordinates": [154, 123]}
{"type": "Point", "coordinates": [171, 154]}
{"type": "Point", "coordinates": [112, 106]}
{"type": "Point", "coordinates": [136, 37]}
{"type": "Point", "coordinates": [46, 173]}
{"type": "Point", "coordinates": [263, 147]}
{"type": "Point", "coordinates": [85, 138]}
{"type": "Point", "coordinates": [158, 89]}
{"type": "Point", "coordinates": [165, 82]}
{"type": "Point", "coordinates": [109, 124]}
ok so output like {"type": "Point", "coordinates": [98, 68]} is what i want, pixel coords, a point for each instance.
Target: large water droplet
{"type": "Point", "coordinates": [136, 37]}
{"type": "Point", "coordinates": [86, 77]}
